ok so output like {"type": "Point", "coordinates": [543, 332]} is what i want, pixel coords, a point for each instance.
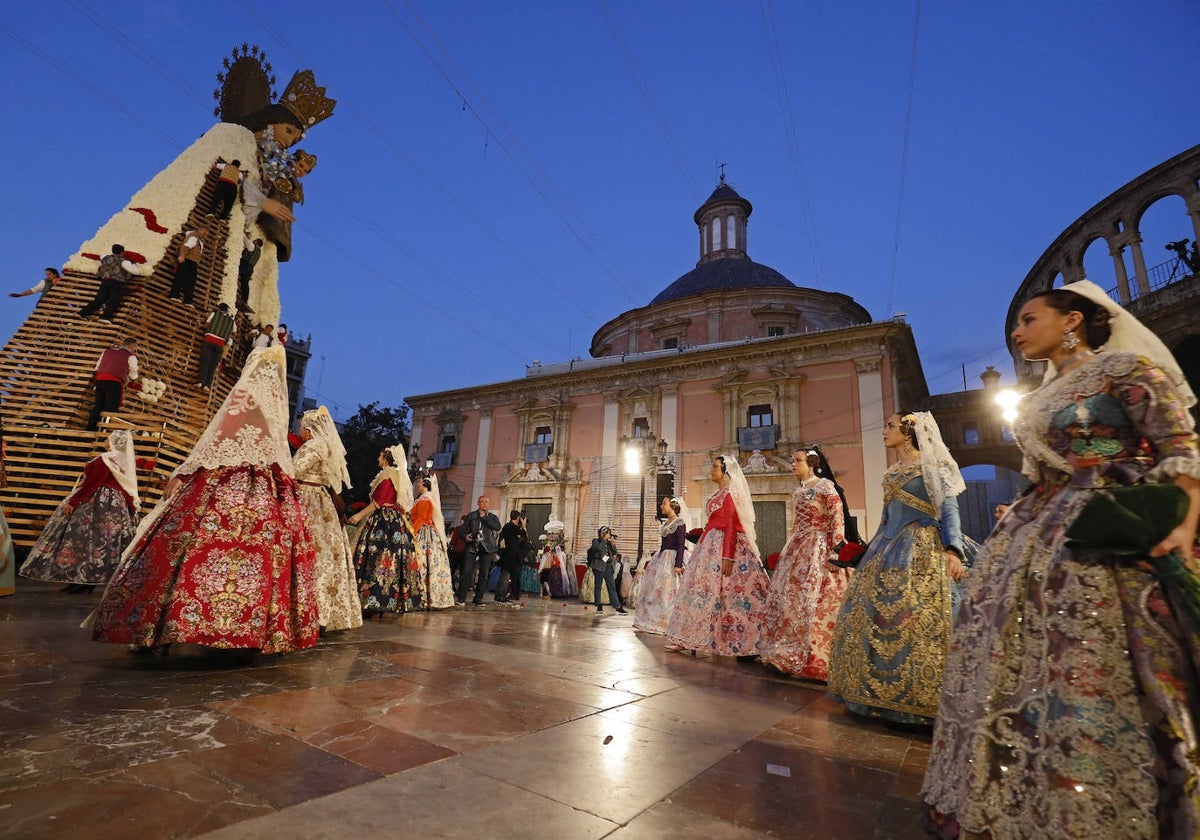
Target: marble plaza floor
{"type": "Point", "coordinates": [543, 722]}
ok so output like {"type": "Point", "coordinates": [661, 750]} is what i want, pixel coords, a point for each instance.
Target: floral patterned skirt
{"type": "Point", "coordinates": [889, 648]}
{"type": "Point", "coordinates": [1071, 705]}
{"type": "Point", "coordinates": [654, 593]}
{"type": "Point", "coordinates": [380, 561]}
{"type": "Point", "coordinates": [225, 562]}
{"type": "Point", "coordinates": [83, 546]}
{"type": "Point", "coordinates": [430, 584]}
{"type": "Point", "coordinates": [718, 614]}
{"type": "Point", "coordinates": [806, 594]}
{"type": "Point", "coordinates": [337, 595]}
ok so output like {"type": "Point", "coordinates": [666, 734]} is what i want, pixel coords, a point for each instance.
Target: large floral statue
{"type": "Point", "coordinates": [247, 153]}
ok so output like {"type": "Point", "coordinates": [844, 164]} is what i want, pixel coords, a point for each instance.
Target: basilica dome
{"type": "Point", "coordinates": [727, 296]}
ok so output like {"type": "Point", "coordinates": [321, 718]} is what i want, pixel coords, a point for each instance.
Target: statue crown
{"type": "Point", "coordinates": [306, 100]}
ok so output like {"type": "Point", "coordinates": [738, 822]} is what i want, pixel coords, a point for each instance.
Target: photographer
{"type": "Point", "coordinates": [514, 539]}
{"type": "Point", "coordinates": [480, 529]}
{"type": "Point", "coordinates": [600, 557]}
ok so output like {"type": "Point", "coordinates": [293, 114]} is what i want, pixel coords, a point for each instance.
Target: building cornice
{"type": "Point", "coordinates": [792, 351]}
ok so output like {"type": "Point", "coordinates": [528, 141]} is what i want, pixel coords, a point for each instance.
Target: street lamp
{"type": "Point", "coordinates": [639, 459]}
{"type": "Point", "coordinates": [1007, 400]}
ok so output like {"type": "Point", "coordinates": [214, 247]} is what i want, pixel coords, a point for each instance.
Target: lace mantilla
{"type": "Point", "coordinates": [251, 425]}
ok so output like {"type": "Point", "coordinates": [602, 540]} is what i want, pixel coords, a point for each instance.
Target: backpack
{"type": "Point", "coordinates": [110, 268]}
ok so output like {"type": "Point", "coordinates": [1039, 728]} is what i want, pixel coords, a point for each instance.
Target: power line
{"type": "Point", "coordinates": [388, 278]}
{"type": "Point", "coordinates": [792, 136]}
{"type": "Point", "coordinates": [389, 141]}
{"type": "Point", "coordinates": [110, 100]}
{"type": "Point", "coordinates": [912, 81]}
{"type": "Point", "coordinates": [651, 104]}
{"type": "Point", "coordinates": [137, 50]}
{"type": "Point", "coordinates": [560, 206]}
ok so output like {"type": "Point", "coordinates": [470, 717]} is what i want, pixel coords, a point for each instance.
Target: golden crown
{"type": "Point", "coordinates": [306, 100]}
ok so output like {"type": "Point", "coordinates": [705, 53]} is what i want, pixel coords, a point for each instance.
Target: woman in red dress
{"type": "Point", "coordinates": [225, 559]}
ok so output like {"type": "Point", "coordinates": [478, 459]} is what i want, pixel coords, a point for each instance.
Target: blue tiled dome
{"type": "Point", "coordinates": [727, 273]}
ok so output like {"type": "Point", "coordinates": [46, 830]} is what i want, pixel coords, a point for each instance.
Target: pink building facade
{"type": "Point", "coordinates": [732, 358]}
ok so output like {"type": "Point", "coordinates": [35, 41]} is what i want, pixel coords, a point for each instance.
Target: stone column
{"type": "Point", "coordinates": [479, 480]}
{"type": "Point", "coordinates": [1122, 277]}
{"type": "Point", "coordinates": [1139, 265]}
{"type": "Point", "coordinates": [874, 454]}
{"type": "Point", "coordinates": [668, 415]}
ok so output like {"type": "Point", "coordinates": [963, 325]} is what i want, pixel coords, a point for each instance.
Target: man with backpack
{"type": "Point", "coordinates": [600, 556]}
{"type": "Point", "coordinates": [113, 272]}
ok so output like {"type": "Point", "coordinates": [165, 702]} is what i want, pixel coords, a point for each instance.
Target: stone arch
{"type": "Point", "coordinates": [1162, 221]}
{"type": "Point", "coordinates": [1114, 219]}
{"type": "Point", "coordinates": [1097, 262]}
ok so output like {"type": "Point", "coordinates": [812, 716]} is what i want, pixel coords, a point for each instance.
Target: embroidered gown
{"type": "Point", "coordinates": [337, 594]}
{"type": "Point", "coordinates": [714, 613]}
{"type": "Point", "coordinates": [84, 545]}
{"type": "Point", "coordinates": [558, 575]}
{"type": "Point", "coordinates": [429, 567]}
{"type": "Point", "coordinates": [806, 591]}
{"type": "Point", "coordinates": [225, 562]}
{"type": "Point", "coordinates": [658, 584]}
{"type": "Point", "coordinates": [893, 630]}
{"type": "Point", "coordinates": [381, 555]}
{"type": "Point", "coordinates": [1071, 694]}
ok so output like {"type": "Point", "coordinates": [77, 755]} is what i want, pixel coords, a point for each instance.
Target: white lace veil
{"type": "Point", "coordinates": [121, 463]}
{"type": "Point", "coordinates": [740, 491]}
{"type": "Point", "coordinates": [684, 513]}
{"type": "Point", "coordinates": [938, 467]}
{"type": "Point", "coordinates": [251, 425]}
{"type": "Point", "coordinates": [1130, 335]}
{"type": "Point", "coordinates": [404, 487]}
{"type": "Point", "coordinates": [320, 423]}
{"type": "Point", "coordinates": [435, 496]}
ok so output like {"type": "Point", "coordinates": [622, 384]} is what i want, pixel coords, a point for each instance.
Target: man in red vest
{"type": "Point", "coordinates": [116, 367]}
{"type": "Point", "coordinates": [218, 330]}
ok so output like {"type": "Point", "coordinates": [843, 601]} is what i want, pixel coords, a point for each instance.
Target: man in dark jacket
{"type": "Point", "coordinates": [514, 540]}
{"type": "Point", "coordinates": [481, 529]}
{"type": "Point", "coordinates": [600, 560]}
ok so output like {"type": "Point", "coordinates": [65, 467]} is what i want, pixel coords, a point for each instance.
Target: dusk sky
{"type": "Point", "coordinates": [501, 178]}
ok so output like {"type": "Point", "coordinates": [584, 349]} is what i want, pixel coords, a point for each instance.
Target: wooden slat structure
{"type": "Point", "coordinates": [46, 385]}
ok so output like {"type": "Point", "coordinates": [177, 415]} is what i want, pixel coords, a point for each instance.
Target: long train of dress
{"type": "Point", "coordinates": [227, 563]}
{"type": "Point", "coordinates": [84, 545]}
{"type": "Point", "coordinates": [337, 596]}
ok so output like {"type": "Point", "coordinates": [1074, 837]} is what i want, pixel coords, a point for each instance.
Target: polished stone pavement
{"type": "Point", "coordinates": [544, 722]}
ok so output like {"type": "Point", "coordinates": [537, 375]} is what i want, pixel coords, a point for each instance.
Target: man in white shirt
{"type": "Point", "coordinates": [266, 338]}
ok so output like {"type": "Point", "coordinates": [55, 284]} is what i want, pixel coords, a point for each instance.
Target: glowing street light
{"type": "Point", "coordinates": [633, 457]}
{"type": "Point", "coordinates": [1008, 399]}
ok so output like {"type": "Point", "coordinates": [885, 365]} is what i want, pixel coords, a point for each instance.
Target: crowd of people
{"type": "Point", "coordinates": [1058, 677]}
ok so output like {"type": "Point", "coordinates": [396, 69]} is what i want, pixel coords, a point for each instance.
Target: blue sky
{"type": "Point", "coordinates": [495, 188]}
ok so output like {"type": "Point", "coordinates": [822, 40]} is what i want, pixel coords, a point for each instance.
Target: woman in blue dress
{"type": "Point", "coordinates": [893, 631]}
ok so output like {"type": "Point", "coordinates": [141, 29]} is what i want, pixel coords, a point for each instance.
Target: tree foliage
{"type": "Point", "coordinates": [372, 428]}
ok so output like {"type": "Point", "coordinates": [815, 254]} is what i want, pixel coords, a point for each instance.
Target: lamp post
{"type": "Point", "coordinates": [639, 459]}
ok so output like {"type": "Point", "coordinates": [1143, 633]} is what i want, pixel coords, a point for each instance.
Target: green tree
{"type": "Point", "coordinates": [372, 428]}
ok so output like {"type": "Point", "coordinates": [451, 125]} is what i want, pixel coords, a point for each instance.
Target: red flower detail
{"type": "Point", "coordinates": [151, 220]}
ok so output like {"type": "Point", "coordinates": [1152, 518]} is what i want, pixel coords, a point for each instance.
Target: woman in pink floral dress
{"type": "Point", "coordinates": [806, 591]}
{"type": "Point", "coordinates": [722, 598]}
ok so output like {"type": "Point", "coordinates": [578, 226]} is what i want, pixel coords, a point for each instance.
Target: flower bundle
{"type": "Point", "coordinates": [151, 390]}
